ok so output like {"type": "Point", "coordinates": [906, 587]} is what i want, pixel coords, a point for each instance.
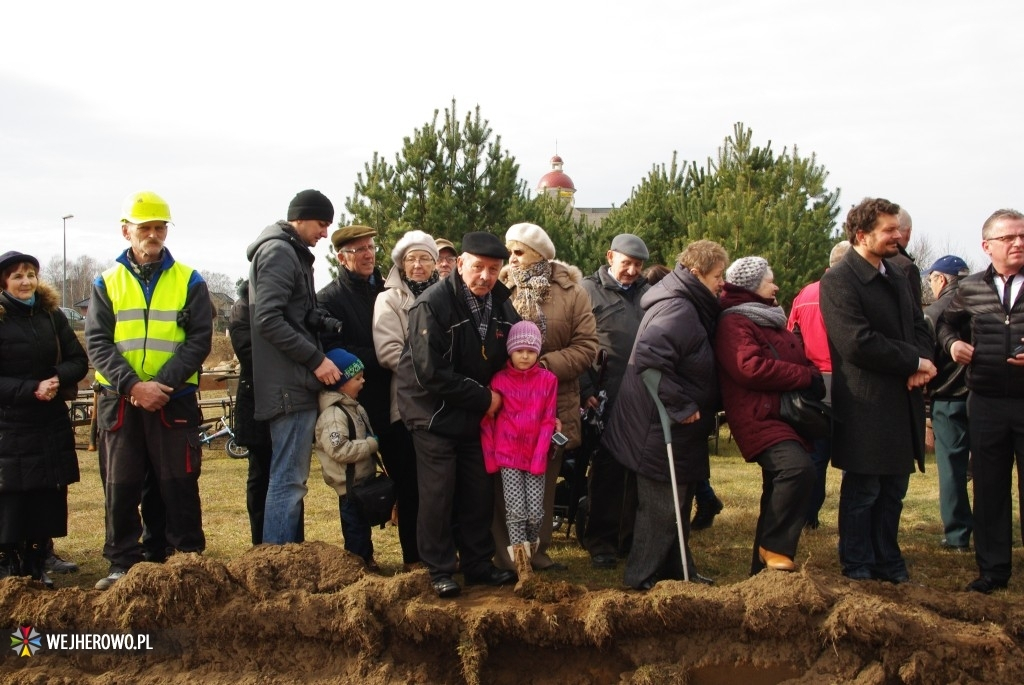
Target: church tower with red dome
{"type": "Point", "coordinates": [556, 182]}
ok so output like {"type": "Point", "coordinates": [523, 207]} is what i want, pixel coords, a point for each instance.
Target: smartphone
{"type": "Point", "coordinates": [1019, 349]}
{"type": "Point", "coordinates": [559, 439]}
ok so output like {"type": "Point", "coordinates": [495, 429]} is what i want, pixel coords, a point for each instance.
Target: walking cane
{"type": "Point", "coordinates": [651, 379]}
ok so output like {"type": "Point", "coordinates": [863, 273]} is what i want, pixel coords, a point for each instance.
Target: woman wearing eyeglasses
{"type": "Point", "coordinates": [548, 293]}
{"type": "Point", "coordinates": [415, 258]}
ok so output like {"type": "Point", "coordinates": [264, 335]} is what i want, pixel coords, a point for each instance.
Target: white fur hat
{"type": "Point", "coordinates": [534, 237]}
{"type": "Point", "coordinates": [413, 240]}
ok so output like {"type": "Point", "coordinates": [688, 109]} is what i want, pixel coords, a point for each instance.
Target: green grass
{"type": "Point", "coordinates": [722, 551]}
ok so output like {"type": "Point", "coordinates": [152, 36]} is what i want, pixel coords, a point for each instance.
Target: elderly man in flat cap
{"type": "Point", "coordinates": [457, 333]}
{"type": "Point", "coordinates": [350, 298]}
{"type": "Point", "coordinates": [615, 290]}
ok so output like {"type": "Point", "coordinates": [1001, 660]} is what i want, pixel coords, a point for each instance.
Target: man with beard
{"type": "Point", "coordinates": [881, 350]}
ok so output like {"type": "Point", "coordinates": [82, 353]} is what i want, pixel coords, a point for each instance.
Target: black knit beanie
{"type": "Point", "coordinates": [311, 204]}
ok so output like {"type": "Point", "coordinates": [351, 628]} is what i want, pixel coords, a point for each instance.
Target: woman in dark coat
{"type": "Point", "coordinates": [676, 338]}
{"type": "Point", "coordinates": [39, 357]}
{"type": "Point", "coordinates": [758, 359]}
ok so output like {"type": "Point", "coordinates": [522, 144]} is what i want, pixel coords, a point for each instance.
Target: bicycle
{"type": "Point", "coordinates": [234, 450]}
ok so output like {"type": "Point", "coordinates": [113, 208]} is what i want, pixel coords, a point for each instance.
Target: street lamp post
{"type": "Point", "coordinates": [64, 275]}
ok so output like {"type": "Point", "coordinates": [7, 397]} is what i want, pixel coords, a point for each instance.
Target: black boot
{"type": "Point", "coordinates": [706, 513]}
{"type": "Point", "coordinates": [34, 562]}
{"type": "Point", "coordinates": [10, 562]}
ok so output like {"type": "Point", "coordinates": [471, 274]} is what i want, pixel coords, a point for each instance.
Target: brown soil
{"type": "Point", "coordinates": [311, 614]}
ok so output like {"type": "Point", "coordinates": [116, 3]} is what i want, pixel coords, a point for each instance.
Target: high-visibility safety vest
{"type": "Point", "coordinates": [147, 332]}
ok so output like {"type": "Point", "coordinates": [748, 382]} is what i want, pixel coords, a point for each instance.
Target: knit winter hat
{"type": "Point", "coordinates": [524, 336]}
{"type": "Point", "coordinates": [413, 240]}
{"type": "Point", "coordinates": [534, 237]}
{"type": "Point", "coordinates": [747, 272]}
{"type": "Point", "coordinates": [349, 365]}
{"type": "Point", "coordinates": [312, 205]}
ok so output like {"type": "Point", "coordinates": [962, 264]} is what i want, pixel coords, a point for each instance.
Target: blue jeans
{"type": "Point", "coordinates": [869, 520]}
{"type": "Point", "coordinates": [355, 529]}
{"type": "Point", "coordinates": [952, 454]}
{"type": "Point", "coordinates": [704, 493]}
{"type": "Point", "coordinates": [292, 439]}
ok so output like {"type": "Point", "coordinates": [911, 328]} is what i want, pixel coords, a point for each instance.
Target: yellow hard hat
{"type": "Point", "coordinates": [138, 208]}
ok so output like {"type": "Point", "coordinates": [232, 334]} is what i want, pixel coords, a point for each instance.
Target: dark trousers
{"type": "Point", "coordinates": [173, 454]}
{"type": "Point", "coordinates": [787, 481]}
{"type": "Point", "coordinates": [952, 457]}
{"type": "Point", "coordinates": [821, 455]}
{"type": "Point", "coordinates": [869, 521]}
{"type": "Point", "coordinates": [399, 456]}
{"type": "Point", "coordinates": [996, 428]}
{"type": "Point", "coordinates": [256, 488]}
{"type": "Point", "coordinates": [612, 503]}
{"type": "Point", "coordinates": [655, 551]}
{"type": "Point", "coordinates": [455, 491]}
{"type": "Point", "coordinates": [355, 529]}
{"type": "Point", "coordinates": [154, 518]}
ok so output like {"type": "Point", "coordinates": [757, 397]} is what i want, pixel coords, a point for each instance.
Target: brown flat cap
{"type": "Point", "coordinates": [347, 234]}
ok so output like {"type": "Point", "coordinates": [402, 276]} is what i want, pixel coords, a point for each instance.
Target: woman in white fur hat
{"type": "Point", "coordinates": [414, 270]}
{"type": "Point", "coordinates": [548, 293]}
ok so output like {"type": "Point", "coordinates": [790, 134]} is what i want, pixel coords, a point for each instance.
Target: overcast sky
{"type": "Point", "coordinates": [228, 109]}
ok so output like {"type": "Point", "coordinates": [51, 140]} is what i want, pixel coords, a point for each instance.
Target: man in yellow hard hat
{"type": "Point", "coordinates": [148, 331]}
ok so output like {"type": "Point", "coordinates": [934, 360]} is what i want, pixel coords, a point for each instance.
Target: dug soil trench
{"type": "Point", "coordinates": [311, 614]}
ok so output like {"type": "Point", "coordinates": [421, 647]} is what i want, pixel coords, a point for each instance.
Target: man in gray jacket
{"type": "Point", "coordinates": [615, 290]}
{"type": "Point", "coordinates": [289, 366]}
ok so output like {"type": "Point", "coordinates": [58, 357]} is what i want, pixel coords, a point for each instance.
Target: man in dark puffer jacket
{"type": "Point", "coordinates": [990, 305]}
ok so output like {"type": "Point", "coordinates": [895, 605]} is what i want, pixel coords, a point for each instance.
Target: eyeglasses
{"type": "Point", "coordinates": [518, 253]}
{"type": "Point", "coordinates": [425, 261]}
{"type": "Point", "coordinates": [365, 249]}
{"type": "Point", "coordinates": [1008, 239]}
{"type": "Point", "coordinates": [446, 260]}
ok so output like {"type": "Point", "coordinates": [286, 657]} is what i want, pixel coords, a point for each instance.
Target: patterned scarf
{"type": "Point", "coordinates": [532, 287]}
{"type": "Point", "coordinates": [480, 309]}
{"type": "Point", "coordinates": [417, 287]}
{"type": "Point", "coordinates": [144, 271]}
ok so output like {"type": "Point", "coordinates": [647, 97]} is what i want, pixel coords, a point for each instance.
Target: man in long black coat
{"type": "Point", "coordinates": [881, 358]}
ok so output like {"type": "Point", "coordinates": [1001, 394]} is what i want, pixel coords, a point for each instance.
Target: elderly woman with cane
{"type": "Point", "coordinates": [675, 340]}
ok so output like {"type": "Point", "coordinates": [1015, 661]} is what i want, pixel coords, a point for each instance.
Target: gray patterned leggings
{"type": "Point", "coordinates": [524, 504]}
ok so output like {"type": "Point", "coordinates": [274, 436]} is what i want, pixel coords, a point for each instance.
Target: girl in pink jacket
{"type": "Point", "coordinates": [517, 441]}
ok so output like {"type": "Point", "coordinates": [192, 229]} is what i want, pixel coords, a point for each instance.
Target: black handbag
{"type": "Point", "coordinates": [811, 418]}
{"type": "Point", "coordinates": [373, 496]}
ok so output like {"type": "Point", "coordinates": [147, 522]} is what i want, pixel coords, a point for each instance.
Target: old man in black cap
{"type": "Point", "coordinates": [457, 332]}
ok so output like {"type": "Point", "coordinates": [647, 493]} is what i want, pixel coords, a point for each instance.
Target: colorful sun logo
{"type": "Point", "coordinates": [25, 641]}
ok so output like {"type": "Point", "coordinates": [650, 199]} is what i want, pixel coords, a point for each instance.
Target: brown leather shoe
{"type": "Point", "coordinates": [779, 562]}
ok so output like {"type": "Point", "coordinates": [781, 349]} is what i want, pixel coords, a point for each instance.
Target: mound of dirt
{"type": "Point", "coordinates": [310, 613]}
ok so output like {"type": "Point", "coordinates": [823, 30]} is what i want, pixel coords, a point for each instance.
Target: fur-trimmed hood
{"type": "Point", "coordinates": [47, 299]}
{"type": "Point", "coordinates": [562, 274]}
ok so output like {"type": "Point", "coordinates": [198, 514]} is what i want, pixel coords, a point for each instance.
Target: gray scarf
{"type": "Point", "coordinates": [761, 314]}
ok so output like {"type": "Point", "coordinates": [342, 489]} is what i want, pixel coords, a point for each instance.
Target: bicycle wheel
{"type": "Point", "coordinates": [235, 450]}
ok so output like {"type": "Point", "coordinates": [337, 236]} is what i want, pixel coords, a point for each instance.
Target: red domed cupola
{"type": "Point", "coordinates": [556, 181]}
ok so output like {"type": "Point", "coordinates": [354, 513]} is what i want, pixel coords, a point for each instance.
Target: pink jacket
{"type": "Point", "coordinates": [520, 436]}
{"type": "Point", "coordinates": [806, 313]}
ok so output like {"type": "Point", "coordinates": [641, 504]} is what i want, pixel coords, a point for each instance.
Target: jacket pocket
{"type": "Point", "coordinates": [110, 411]}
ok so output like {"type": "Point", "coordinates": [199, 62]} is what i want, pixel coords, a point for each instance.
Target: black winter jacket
{"type": "Point", "coordinates": [618, 314]}
{"type": "Point", "coordinates": [37, 443]}
{"type": "Point", "coordinates": [951, 381]}
{"type": "Point", "coordinates": [351, 301]}
{"type": "Point", "coordinates": [675, 337]}
{"type": "Point", "coordinates": [284, 349]}
{"type": "Point", "coordinates": [445, 368]}
{"type": "Point", "coordinates": [248, 431]}
{"type": "Point", "coordinates": [994, 333]}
